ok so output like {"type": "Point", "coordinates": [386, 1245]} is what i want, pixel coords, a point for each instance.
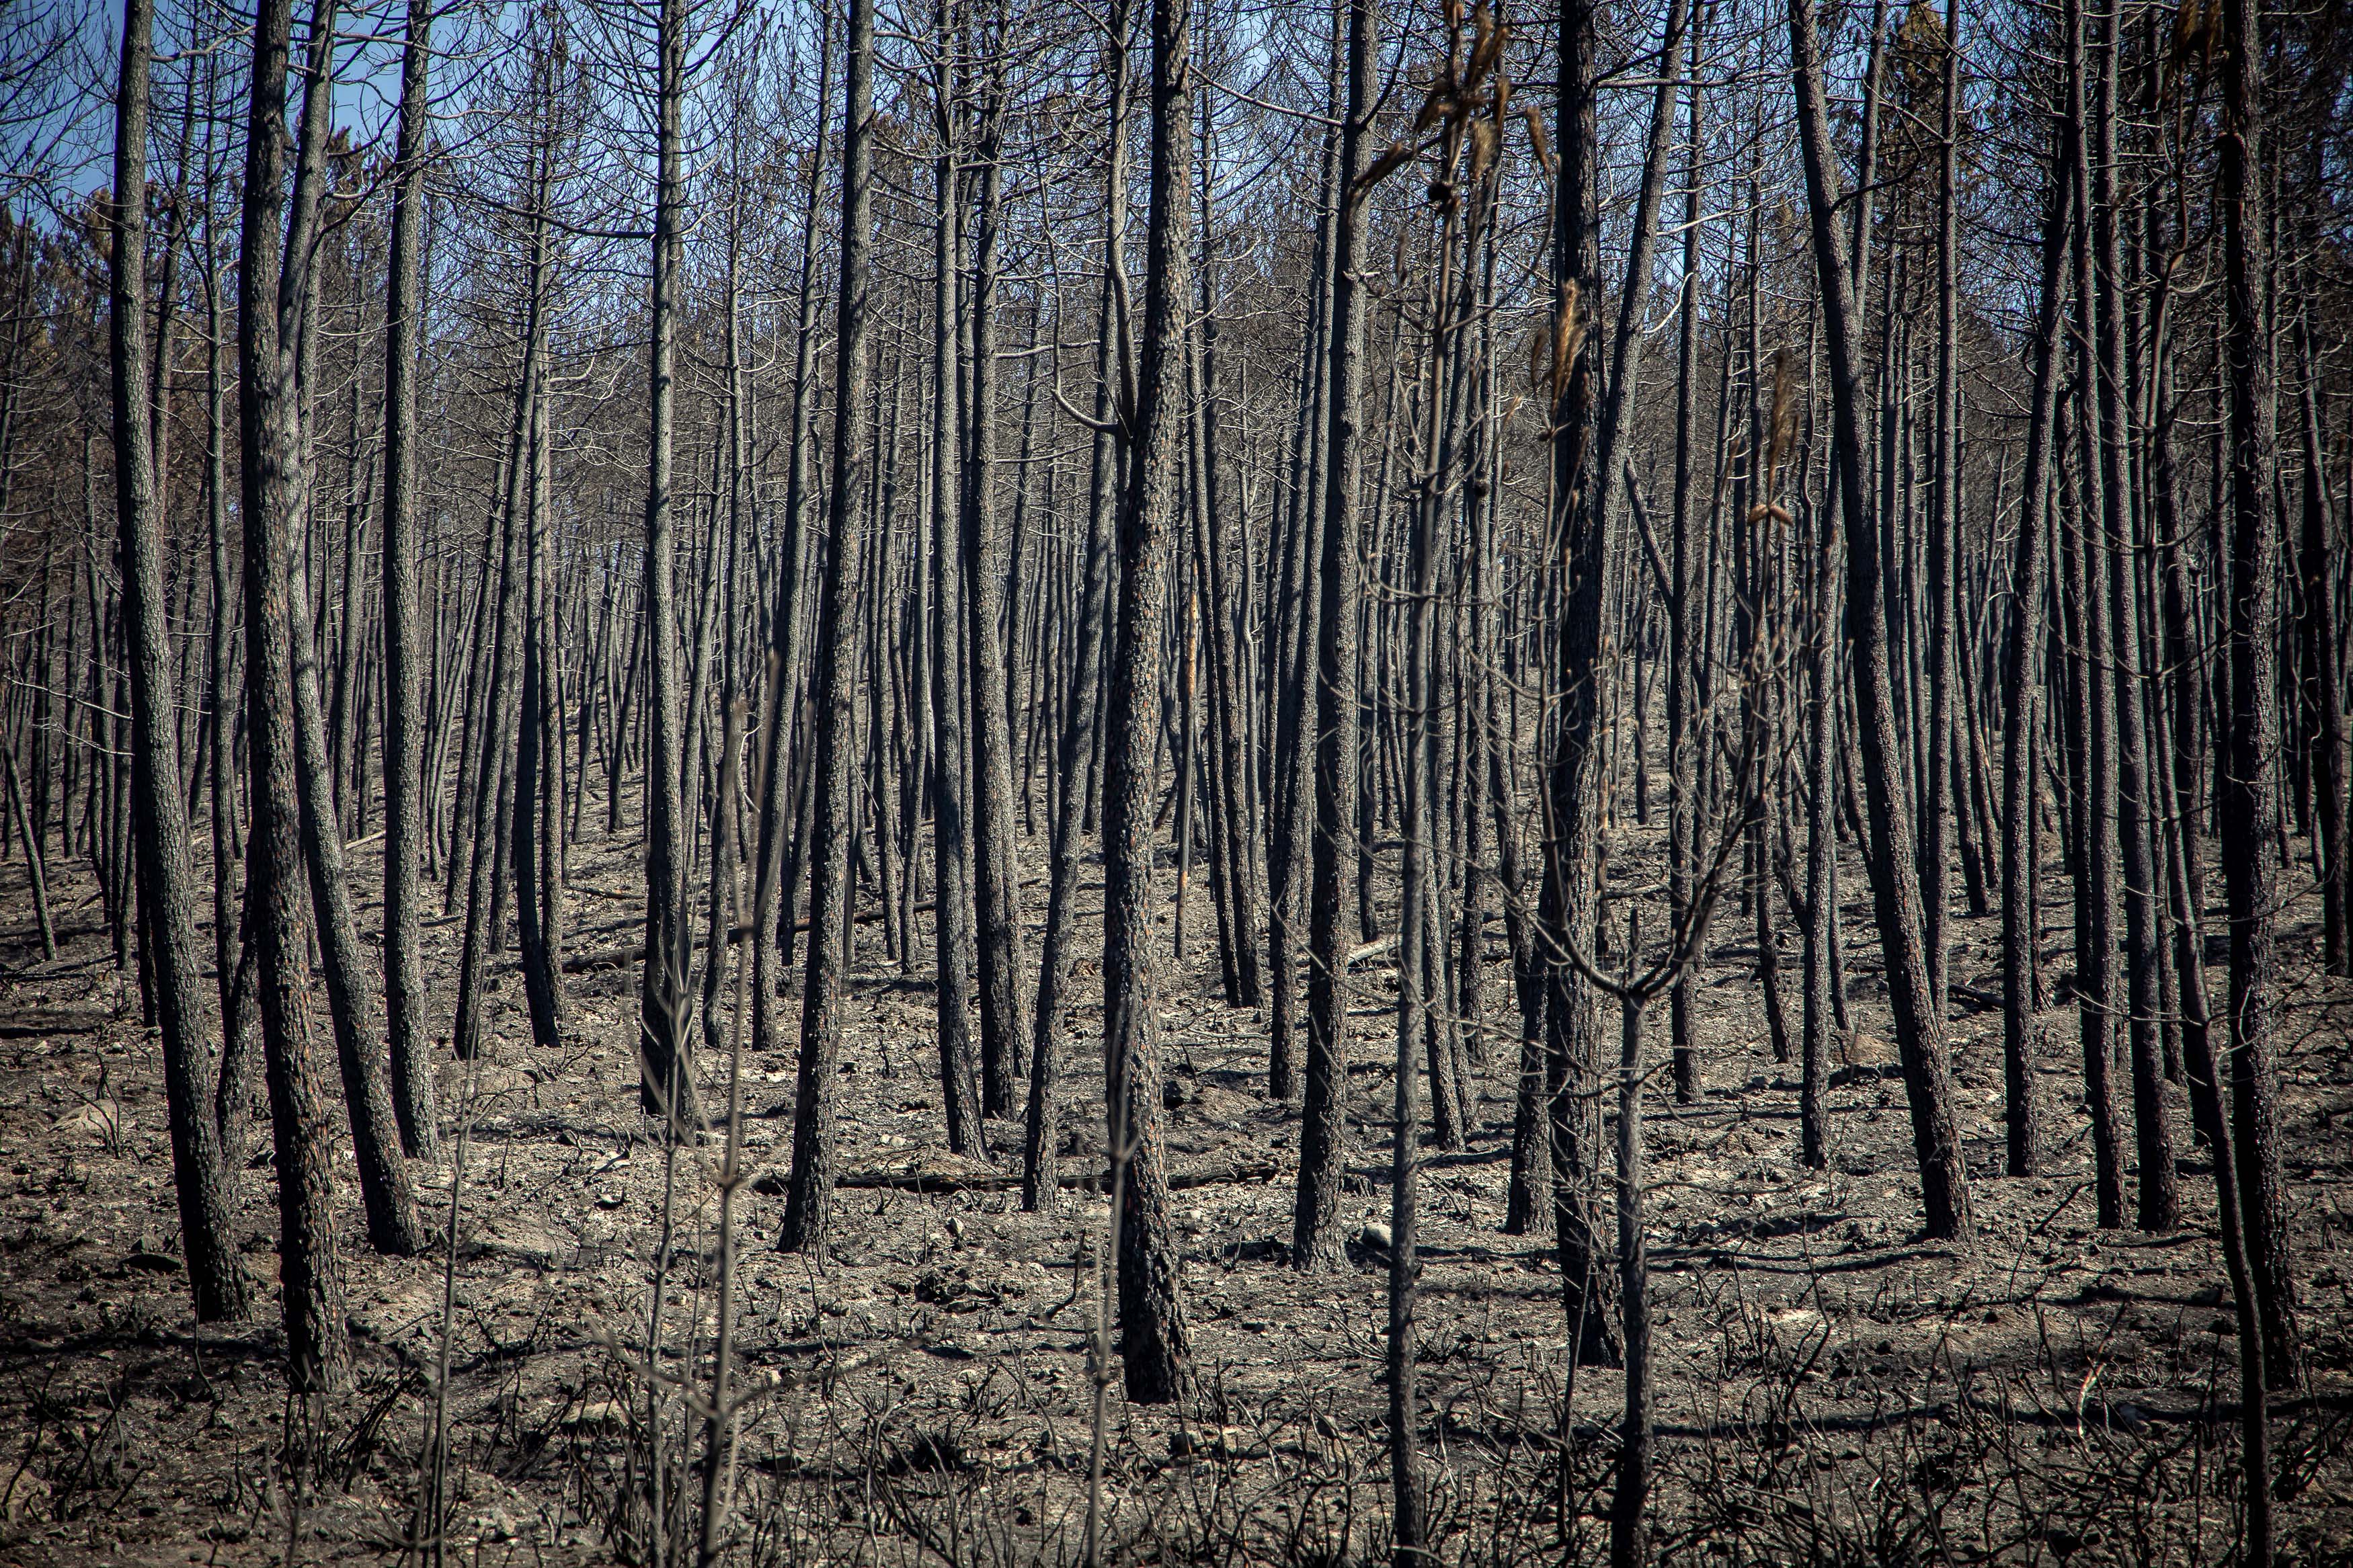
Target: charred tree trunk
{"type": "Point", "coordinates": [271, 295]}
{"type": "Point", "coordinates": [1153, 1337]}
{"type": "Point", "coordinates": [1316, 1238]}
{"type": "Point", "coordinates": [201, 1176]}
{"type": "Point", "coordinates": [407, 788]}
{"type": "Point", "coordinates": [826, 981]}
{"type": "Point", "coordinates": [1895, 892]}
{"type": "Point", "coordinates": [2249, 729]}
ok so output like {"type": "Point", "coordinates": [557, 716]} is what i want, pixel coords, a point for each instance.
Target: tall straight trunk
{"type": "Point", "coordinates": [232, 953]}
{"type": "Point", "coordinates": [1579, 521]}
{"type": "Point", "coordinates": [1296, 641]}
{"type": "Point", "coordinates": [997, 884]}
{"type": "Point", "coordinates": [201, 1176]}
{"type": "Point", "coordinates": [952, 904]}
{"type": "Point", "coordinates": [2245, 779]}
{"type": "Point", "coordinates": [826, 981]}
{"type": "Point", "coordinates": [271, 296]}
{"type": "Point", "coordinates": [1683, 747]}
{"type": "Point", "coordinates": [2159, 1198]}
{"type": "Point", "coordinates": [666, 1084]}
{"type": "Point", "coordinates": [2099, 988]}
{"type": "Point", "coordinates": [2022, 689]}
{"type": "Point", "coordinates": [1414, 1006]}
{"type": "Point", "coordinates": [494, 754]}
{"type": "Point", "coordinates": [1040, 1122]}
{"type": "Point", "coordinates": [780, 849]}
{"type": "Point", "coordinates": [536, 769]}
{"type": "Point", "coordinates": [1154, 1340]}
{"type": "Point", "coordinates": [1944, 528]}
{"type": "Point", "coordinates": [1821, 851]}
{"type": "Point", "coordinates": [1229, 707]}
{"type": "Point", "coordinates": [1895, 892]}
{"type": "Point", "coordinates": [1315, 1240]}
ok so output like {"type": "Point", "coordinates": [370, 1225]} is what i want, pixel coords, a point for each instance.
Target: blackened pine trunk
{"type": "Point", "coordinates": [666, 1083]}
{"type": "Point", "coordinates": [1227, 707]}
{"type": "Point", "coordinates": [1944, 527]}
{"type": "Point", "coordinates": [824, 983]}
{"type": "Point", "coordinates": [1572, 828]}
{"type": "Point", "coordinates": [535, 765]}
{"type": "Point", "coordinates": [1041, 1128]}
{"type": "Point", "coordinates": [271, 297]}
{"type": "Point", "coordinates": [996, 882]}
{"type": "Point", "coordinates": [2245, 777]}
{"type": "Point", "coordinates": [232, 956]}
{"type": "Point", "coordinates": [1629, 1519]}
{"type": "Point", "coordinates": [490, 747]}
{"type": "Point", "coordinates": [394, 1224]}
{"type": "Point", "coordinates": [407, 790]}
{"type": "Point", "coordinates": [1684, 755]}
{"type": "Point", "coordinates": [2021, 691]}
{"type": "Point", "coordinates": [779, 849]}
{"type": "Point", "coordinates": [2160, 1196]}
{"type": "Point", "coordinates": [952, 904]}
{"type": "Point", "coordinates": [201, 1177]}
{"type": "Point", "coordinates": [1896, 892]}
{"type": "Point", "coordinates": [2099, 988]}
{"type": "Point", "coordinates": [1822, 849]}
{"type": "Point", "coordinates": [1294, 649]}
{"type": "Point", "coordinates": [1154, 1340]}
{"type": "Point", "coordinates": [1315, 1240]}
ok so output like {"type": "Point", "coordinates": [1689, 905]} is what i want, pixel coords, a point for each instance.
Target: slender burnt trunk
{"type": "Point", "coordinates": [1041, 1120]}
{"type": "Point", "coordinates": [996, 886]}
{"type": "Point", "coordinates": [271, 299]}
{"type": "Point", "coordinates": [201, 1176]}
{"type": "Point", "coordinates": [1291, 657]}
{"type": "Point", "coordinates": [666, 1084]}
{"type": "Point", "coordinates": [1315, 1239]}
{"type": "Point", "coordinates": [824, 983]}
{"type": "Point", "coordinates": [779, 848]}
{"type": "Point", "coordinates": [1154, 1340]}
{"type": "Point", "coordinates": [407, 790]}
{"type": "Point", "coordinates": [2022, 690]}
{"type": "Point", "coordinates": [952, 945]}
{"type": "Point", "coordinates": [2249, 728]}
{"type": "Point", "coordinates": [1895, 892]}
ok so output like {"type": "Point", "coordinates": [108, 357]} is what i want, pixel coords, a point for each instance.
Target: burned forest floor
{"type": "Point", "coordinates": [1830, 1388]}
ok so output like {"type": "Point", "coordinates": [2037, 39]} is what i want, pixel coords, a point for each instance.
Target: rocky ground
{"type": "Point", "coordinates": [1832, 1389]}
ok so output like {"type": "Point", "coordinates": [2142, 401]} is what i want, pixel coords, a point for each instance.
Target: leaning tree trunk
{"type": "Point", "coordinates": [1894, 881]}
{"type": "Point", "coordinates": [271, 296]}
{"type": "Point", "coordinates": [390, 1204]}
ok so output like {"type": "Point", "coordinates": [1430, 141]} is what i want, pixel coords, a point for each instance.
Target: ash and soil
{"type": "Point", "coordinates": [927, 1389]}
